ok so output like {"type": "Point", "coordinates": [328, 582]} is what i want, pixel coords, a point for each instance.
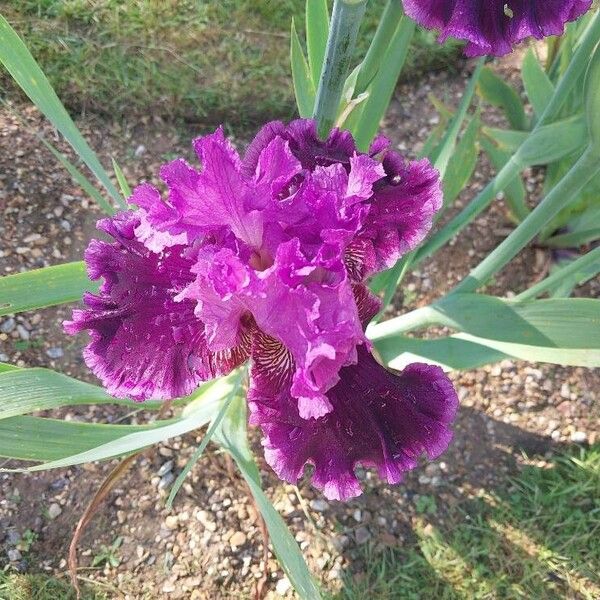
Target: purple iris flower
{"type": "Point", "coordinates": [495, 26]}
{"type": "Point", "coordinates": [265, 258]}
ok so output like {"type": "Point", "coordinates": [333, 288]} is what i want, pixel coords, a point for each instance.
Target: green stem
{"type": "Point", "coordinates": [415, 319]}
{"type": "Point", "coordinates": [343, 31]}
{"type": "Point", "coordinates": [566, 189]}
{"type": "Point", "coordinates": [580, 265]}
{"type": "Point", "coordinates": [513, 167]}
{"type": "Point", "coordinates": [385, 30]}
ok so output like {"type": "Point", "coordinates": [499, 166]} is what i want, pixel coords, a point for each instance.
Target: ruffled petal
{"type": "Point", "coordinates": [378, 419]}
{"type": "Point", "coordinates": [495, 26]}
{"type": "Point", "coordinates": [312, 312]}
{"type": "Point", "coordinates": [400, 216]}
{"type": "Point", "coordinates": [202, 202]}
{"type": "Point", "coordinates": [144, 344]}
{"type": "Point", "coordinates": [304, 143]}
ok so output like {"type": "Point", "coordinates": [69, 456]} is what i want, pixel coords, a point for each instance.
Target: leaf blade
{"type": "Point", "coordinates": [232, 436]}
{"type": "Point", "coordinates": [40, 288]}
{"type": "Point", "coordinates": [304, 88]}
{"type": "Point", "coordinates": [19, 62]}
{"type": "Point", "coordinates": [317, 30]}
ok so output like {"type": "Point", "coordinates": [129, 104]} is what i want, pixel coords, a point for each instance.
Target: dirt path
{"type": "Point", "coordinates": [210, 545]}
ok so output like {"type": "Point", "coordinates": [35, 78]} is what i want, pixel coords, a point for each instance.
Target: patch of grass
{"type": "Point", "coordinates": [205, 61]}
{"type": "Point", "coordinates": [540, 540]}
{"type": "Point", "coordinates": [14, 586]}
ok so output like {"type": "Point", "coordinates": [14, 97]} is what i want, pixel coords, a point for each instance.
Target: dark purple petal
{"type": "Point", "coordinates": [400, 216]}
{"type": "Point", "coordinates": [367, 303]}
{"type": "Point", "coordinates": [378, 419]}
{"type": "Point", "coordinates": [144, 344]}
{"type": "Point", "coordinates": [304, 143]}
{"type": "Point", "coordinates": [495, 26]}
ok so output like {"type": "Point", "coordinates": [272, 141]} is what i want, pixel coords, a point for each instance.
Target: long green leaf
{"type": "Point", "coordinates": [28, 390]}
{"type": "Point", "coordinates": [19, 62]}
{"type": "Point", "coordinates": [317, 29]}
{"type": "Point", "coordinates": [449, 352]}
{"type": "Point", "coordinates": [514, 191]}
{"type": "Point", "coordinates": [564, 331]}
{"type": "Point", "coordinates": [538, 86]}
{"type": "Point", "coordinates": [574, 239]}
{"type": "Point", "coordinates": [44, 287]}
{"type": "Point", "coordinates": [304, 88]}
{"type": "Point", "coordinates": [24, 391]}
{"type": "Point", "coordinates": [40, 439]}
{"type": "Point", "coordinates": [212, 397]}
{"type": "Point", "coordinates": [79, 177]}
{"type": "Point", "coordinates": [497, 92]}
{"type": "Point", "coordinates": [461, 163]}
{"type": "Point", "coordinates": [566, 276]}
{"type": "Point", "coordinates": [574, 357]}
{"type": "Point", "coordinates": [232, 435]}
{"type": "Point", "coordinates": [236, 390]}
{"type": "Point", "coordinates": [545, 144]}
{"type": "Point", "coordinates": [122, 181]}
{"type": "Point", "coordinates": [557, 323]}
{"type": "Point", "coordinates": [441, 155]}
{"type": "Point", "coordinates": [382, 87]}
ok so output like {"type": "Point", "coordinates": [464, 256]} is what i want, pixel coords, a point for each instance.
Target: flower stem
{"type": "Point", "coordinates": [343, 31]}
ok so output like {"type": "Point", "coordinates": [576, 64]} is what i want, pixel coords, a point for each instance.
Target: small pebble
{"type": "Point", "coordinates": [362, 535]}
{"type": "Point", "coordinates": [319, 505]}
{"type": "Point", "coordinates": [55, 352]}
{"type": "Point", "coordinates": [165, 468]}
{"type": "Point", "coordinates": [168, 587]}
{"type": "Point", "coordinates": [166, 480]}
{"type": "Point", "coordinates": [283, 586]}
{"type": "Point", "coordinates": [8, 325]}
{"type": "Point", "coordinates": [23, 333]}
{"type": "Point", "coordinates": [14, 555]}
{"type": "Point", "coordinates": [579, 437]}
{"type": "Point", "coordinates": [13, 537]}
{"type": "Point", "coordinates": [54, 510]}
{"type": "Point", "coordinates": [237, 539]}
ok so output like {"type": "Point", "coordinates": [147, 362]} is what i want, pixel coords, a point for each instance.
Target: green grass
{"type": "Point", "coordinates": [538, 540]}
{"type": "Point", "coordinates": [41, 587]}
{"type": "Point", "coordinates": [199, 60]}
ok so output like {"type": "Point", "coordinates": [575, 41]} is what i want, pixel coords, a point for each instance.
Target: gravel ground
{"type": "Point", "coordinates": [210, 545]}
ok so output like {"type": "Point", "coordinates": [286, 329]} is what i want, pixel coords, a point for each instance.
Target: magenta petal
{"type": "Point", "coordinates": [144, 344]}
{"type": "Point", "coordinates": [159, 222]}
{"type": "Point", "coordinates": [312, 312]}
{"type": "Point", "coordinates": [495, 26]}
{"type": "Point", "coordinates": [378, 419]}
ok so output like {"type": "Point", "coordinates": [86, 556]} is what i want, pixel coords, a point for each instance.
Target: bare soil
{"type": "Point", "coordinates": [210, 545]}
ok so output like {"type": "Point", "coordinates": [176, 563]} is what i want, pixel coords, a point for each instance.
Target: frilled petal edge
{"type": "Point", "coordinates": [144, 344]}
{"type": "Point", "coordinates": [379, 419]}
